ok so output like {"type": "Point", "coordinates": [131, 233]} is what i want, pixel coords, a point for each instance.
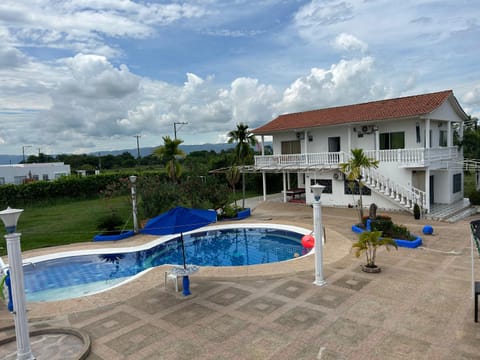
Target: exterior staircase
{"type": "Point", "coordinates": [404, 197]}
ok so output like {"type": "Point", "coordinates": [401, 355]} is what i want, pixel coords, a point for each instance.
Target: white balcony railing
{"type": "Point", "coordinates": [405, 157]}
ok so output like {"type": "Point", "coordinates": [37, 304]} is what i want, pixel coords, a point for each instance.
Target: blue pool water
{"type": "Point", "coordinates": [79, 275]}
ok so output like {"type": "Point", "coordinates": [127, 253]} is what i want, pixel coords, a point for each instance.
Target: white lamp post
{"type": "Point", "coordinates": [133, 180]}
{"type": "Point", "coordinates": [317, 229]}
{"type": "Point", "coordinates": [10, 218]}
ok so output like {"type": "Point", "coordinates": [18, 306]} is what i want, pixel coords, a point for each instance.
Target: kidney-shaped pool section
{"type": "Point", "coordinates": [69, 275]}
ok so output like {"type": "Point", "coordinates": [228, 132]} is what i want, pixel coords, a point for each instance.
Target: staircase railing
{"type": "Point", "coordinates": [405, 196]}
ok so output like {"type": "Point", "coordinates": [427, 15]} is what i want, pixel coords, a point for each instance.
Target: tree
{"type": "Point", "coordinates": [354, 169]}
{"type": "Point", "coordinates": [233, 175]}
{"type": "Point", "coordinates": [170, 153]}
{"type": "Point", "coordinates": [243, 150]}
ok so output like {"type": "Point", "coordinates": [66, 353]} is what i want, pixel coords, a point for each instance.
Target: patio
{"type": "Point", "coordinates": [418, 307]}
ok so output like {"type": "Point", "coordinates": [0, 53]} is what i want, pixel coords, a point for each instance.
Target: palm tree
{"type": "Point", "coordinates": [245, 141]}
{"type": "Point", "coordinates": [354, 169]}
{"type": "Point", "coordinates": [170, 153]}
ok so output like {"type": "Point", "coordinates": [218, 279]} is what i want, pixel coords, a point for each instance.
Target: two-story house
{"type": "Point", "coordinates": [411, 137]}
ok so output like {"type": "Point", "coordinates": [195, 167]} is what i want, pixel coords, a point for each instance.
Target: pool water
{"type": "Point", "coordinates": [80, 275]}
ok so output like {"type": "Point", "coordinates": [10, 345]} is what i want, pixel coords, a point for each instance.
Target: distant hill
{"type": "Point", "coordinates": [15, 159]}
{"type": "Point", "coordinates": [186, 148]}
{"type": "Point", "coordinates": [10, 159]}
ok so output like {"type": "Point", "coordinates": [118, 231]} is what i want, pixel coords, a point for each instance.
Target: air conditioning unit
{"type": "Point", "coordinates": [367, 129]}
{"type": "Point", "coordinates": [338, 176]}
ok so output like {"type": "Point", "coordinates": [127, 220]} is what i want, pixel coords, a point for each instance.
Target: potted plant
{"type": "Point", "coordinates": [416, 211]}
{"type": "Point", "coordinates": [368, 243]}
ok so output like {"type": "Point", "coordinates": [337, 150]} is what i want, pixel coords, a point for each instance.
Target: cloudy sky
{"type": "Point", "coordinates": [88, 75]}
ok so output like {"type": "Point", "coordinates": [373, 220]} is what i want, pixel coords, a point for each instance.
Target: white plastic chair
{"type": "Point", "coordinates": [170, 275]}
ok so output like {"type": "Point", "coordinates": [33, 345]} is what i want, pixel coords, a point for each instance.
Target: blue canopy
{"type": "Point", "coordinates": [179, 220]}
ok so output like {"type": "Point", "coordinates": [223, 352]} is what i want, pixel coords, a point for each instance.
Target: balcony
{"type": "Point", "coordinates": [404, 157]}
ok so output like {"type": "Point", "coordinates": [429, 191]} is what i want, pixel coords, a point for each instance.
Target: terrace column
{"type": "Point", "coordinates": [264, 185]}
{"type": "Point", "coordinates": [449, 134]}
{"type": "Point", "coordinates": [284, 187]}
{"type": "Point", "coordinates": [427, 189]}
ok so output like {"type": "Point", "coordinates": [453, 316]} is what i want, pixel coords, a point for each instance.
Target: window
{"type": "Point", "coordinates": [35, 177]}
{"type": "Point", "coordinates": [325, 182]}
{"type": "Point", "coordinates": [2, 181]}
{"type": "Point", "coordinates": [19, 180]}
{"type": "Point", "coordinates": [457, 183]}
{"type": "Point", "coordinates": [417, 133]}
{"type": "Point", "coordinates": [291, 147]}
{"type": "Point", "coordinates": [348, 185]}
{"type": "Point", "coordinates": [45, 177]}
{"type": "Point", "coordinates": [442, 140]}
{"type": "Point", "coordinates": [394, 140]}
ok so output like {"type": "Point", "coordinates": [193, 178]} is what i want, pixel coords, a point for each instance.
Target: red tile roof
{"type": "Point", "coordinates": [372, 111]}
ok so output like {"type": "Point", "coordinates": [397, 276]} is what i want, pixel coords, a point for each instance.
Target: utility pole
{"type": "Point", "coordinates": [138, 145]}
{"type": "Point", "coordinates": [23, 151]}
{"type": "Point", "coordinates": [175, 128]}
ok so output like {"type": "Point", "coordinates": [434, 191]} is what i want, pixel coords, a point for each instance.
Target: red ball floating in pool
{"type": "Point", "coordinates": [308, 241]}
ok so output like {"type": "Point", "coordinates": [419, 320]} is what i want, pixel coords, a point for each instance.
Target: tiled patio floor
{"type": "Point", "coordinates": [418, 307]}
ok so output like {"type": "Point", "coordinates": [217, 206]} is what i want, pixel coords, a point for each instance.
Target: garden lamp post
{"type": "Point", "coordinates": [317, 229]}
{"type": "Point", "coordinates": [133, 180]}
{"type": "Point", "coordinates": [10, 217]}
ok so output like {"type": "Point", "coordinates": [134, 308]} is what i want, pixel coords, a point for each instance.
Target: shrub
{"type": "Point", "coordinates": [474, 197]}
{"type": "Point", "coordinates": [110, 223]}
{"type": "Point", "coordinates": [388, 228]}
{"type": "Point", "coordinates": [416, 211]}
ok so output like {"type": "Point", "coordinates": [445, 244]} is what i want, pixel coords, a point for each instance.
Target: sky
{"type": "Point", "coordinates": [87, 76]}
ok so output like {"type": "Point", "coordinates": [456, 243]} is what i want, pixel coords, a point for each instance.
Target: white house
{"type": "Point", "coordinates": [20, 173]}
{"type": "Point", "coordinates": [412, 137]}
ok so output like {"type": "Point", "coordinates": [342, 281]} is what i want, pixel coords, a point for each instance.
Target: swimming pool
{"type": "Point", "coordinates": [68, 275]}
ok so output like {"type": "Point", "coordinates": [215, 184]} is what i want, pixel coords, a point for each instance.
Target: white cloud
{"type": "Point", "coordinates": [472, 97]}
{"type": "Point", "coordinates": [82, 25]}
{"type": "Point", "coordinates": [347, 82]}
{"type": "Point", "coordinates": [349, 42]}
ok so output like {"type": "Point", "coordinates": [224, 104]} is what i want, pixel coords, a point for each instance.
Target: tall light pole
{"type": "Point", "coordinates": [138, 145]}
{"type": "Point", "coordinates": [317, 229]}
{"type": "Point", "coordinates": [23, 151]}
{"type": "Point", "coordinates": [10, 217]}
{"type": "Point", "coordinates": [175, 128]}
{"type": "Point", "coordinates": [133, 180]}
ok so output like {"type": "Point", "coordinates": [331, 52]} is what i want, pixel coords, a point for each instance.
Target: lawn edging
{"type": "Point", "coordinates": [123, 235]}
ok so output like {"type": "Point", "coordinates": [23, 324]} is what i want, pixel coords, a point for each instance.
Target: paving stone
{"type": "Point", "coordinates": [329, 297]}
{"type": "Point", "coordinates": [228, 296]}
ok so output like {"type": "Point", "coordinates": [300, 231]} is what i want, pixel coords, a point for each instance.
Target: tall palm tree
{"type": "Point", "coordinates": [353, 169]}
{"type": "Point", "coordinates": [170, 153]}
{"type": "Point", "coordinates": [243, 150]}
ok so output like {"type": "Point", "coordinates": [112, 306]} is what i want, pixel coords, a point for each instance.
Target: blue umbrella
{"type": "Point", "coordinates": [177, 221]}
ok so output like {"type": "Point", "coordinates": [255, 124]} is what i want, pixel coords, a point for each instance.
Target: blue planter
{"type": "Point", "coordinates": [402, 243]}
{"type": "Point", "coordinates": [122, 235]}
{"type": "Point", "coordinates": [243, 214]}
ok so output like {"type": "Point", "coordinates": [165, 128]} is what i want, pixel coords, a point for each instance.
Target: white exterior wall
{"type": "Point", "coordinates": [338, 196]}
{"type": "Point", "coordinates": [12, 174]}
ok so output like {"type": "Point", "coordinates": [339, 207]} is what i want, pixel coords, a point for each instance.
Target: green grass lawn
{"type": "Point", "coordinates": [66, 222]}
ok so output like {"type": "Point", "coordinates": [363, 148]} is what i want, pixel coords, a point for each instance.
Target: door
{"type": "Point", "coordinates": [333, 147]}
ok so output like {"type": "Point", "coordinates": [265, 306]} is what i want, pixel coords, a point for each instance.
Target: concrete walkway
{"type": "Point", "coordinates": [418, 307]}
